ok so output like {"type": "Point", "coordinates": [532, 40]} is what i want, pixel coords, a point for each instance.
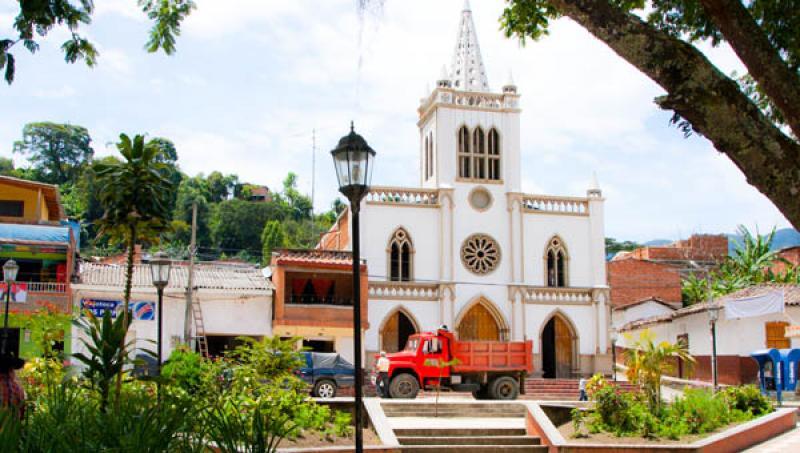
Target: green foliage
{"type": "Point", "coordinates": [237, 225]}
{"type": "Point", "coordinates": [748, 398]}
{"type": "Point", "coordinates": [647, 361]}
{"type": "Point", "coordinates": [595, 383]}
{"type": "Point", "coordinates": [37, 18]}
{"type": "Point", "coordinates": [613, 246]}
{"type": "Point", "coordinates": [186, 369]}
{"type": "Point", "coordinates": [749, 265]}
{"type": "Point", "coordinates": [57, 152]}
{"type": "Point", "coordinates": [273, 237]}
{"type": "Point", "coordinates": [106, 346]}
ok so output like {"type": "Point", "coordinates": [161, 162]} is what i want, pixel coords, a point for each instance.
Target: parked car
{"type": "Point", "coordinates": [326, 373]}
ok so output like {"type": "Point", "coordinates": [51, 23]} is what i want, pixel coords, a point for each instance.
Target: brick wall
{"type": "Point", "coordinates": [701, 247]}
{"type": "Point", "coordinates": [791, 255]}
{"type": "Point", "coordinates": [632, 280]}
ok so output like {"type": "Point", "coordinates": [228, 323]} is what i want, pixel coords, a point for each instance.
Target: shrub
{"type": "Point", "coordinates": [594, 384]}
{"type": "Point", "coordinates": [748, 398]}
{"type": "Point", "coordinates": [614, 410]}
{"type": "Point", "coordinates": [186, 369]}
{"type": "Point", "coordinates": [700, 410]}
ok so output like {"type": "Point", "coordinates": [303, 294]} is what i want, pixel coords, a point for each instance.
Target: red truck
{"type": "Point", "coordinates": [488, 369]}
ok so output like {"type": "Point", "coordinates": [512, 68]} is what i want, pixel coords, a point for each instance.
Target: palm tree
{"type": "Point", "coordinates": [648, 361]}
{"type": "Point", "coordinates": [135, 195]}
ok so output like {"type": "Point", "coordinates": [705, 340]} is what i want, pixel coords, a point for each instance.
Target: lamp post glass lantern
{"type": "Point", "coordinates": [160, 266]}
{"type": "Point", "coordinates": [353, 161]}
{"type": "Point", "coordinates": [10, 269]}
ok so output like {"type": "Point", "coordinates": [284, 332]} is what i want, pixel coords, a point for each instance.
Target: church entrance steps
{"type": "Point", "coordinates": [429, 409]}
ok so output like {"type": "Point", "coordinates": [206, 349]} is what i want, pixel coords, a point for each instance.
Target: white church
{"type": "Point", "coordinates": [470, 250]}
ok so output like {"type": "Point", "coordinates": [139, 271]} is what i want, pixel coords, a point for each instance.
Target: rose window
{"type": "Point", "coordinates": [480, 254]}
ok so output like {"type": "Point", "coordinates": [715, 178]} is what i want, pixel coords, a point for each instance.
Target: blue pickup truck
{"type": "Point", "coordinates": [326, 373]}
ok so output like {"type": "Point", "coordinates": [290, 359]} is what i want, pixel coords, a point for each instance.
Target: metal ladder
{"type": "Point", "coordinates": [199, 328]}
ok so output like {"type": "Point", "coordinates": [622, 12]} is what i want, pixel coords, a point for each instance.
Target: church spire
{"type": "Point", "coordinates": [467, 71]}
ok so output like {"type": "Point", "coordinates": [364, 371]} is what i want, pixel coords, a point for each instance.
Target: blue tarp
{"type": "Point", "coordinates": [22, 233]}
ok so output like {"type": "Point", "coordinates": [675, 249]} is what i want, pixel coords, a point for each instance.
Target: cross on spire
{"type": "Point", "coordinates": [466, 71]}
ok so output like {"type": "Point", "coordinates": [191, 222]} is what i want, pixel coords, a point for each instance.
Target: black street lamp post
{"type": "Point", "coordinates": [713, 317]}
{"type": "Point", "coordinates": [353, 160]}
{"type": "Point", "coordinates": [160, 266]}
{"type": "Point", "coordinates": [10, 269]}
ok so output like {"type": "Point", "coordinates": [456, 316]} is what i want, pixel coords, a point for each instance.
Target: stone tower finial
{"type": "Point", "coordinates": [594, 187]}
{"type": "Point", "coordinates": [467, 71]}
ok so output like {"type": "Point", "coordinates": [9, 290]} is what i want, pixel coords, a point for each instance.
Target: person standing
{"type": "Point", "coordinates": [12, 395]}
{"type": "Point", "coordinates": [582, 387]}
{"type": "Point", "coordinates": [383, 376]}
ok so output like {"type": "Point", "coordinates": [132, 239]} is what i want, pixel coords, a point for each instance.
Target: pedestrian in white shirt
{"type": "Point", "coordinates": [382, 384]}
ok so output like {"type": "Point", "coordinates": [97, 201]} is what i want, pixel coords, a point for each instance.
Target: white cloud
{"type": "Point", "coordinates": [61, 92]}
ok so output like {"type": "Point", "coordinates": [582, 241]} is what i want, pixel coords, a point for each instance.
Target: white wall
{"type": "Point", "coordinates": [639, 311]}
{"type": "Point", "coordinates": [223, 314]}
{"type": "Point", "coordinates": [734, 337]}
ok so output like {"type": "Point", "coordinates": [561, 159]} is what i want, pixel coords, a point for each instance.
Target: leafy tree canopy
{"type": "Point", "coordinates": [743, 117]}
{"type": "Point", "coordinates": [36, 18]}
{"type": "Point", "coordinates": [57, 152]}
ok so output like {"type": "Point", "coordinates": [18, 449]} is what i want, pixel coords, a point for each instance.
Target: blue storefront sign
{"type": "Point", "coordinates": [140, 311]}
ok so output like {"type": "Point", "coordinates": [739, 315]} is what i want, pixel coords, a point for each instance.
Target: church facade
{"type": "Point", "coordinates": [469, 250]}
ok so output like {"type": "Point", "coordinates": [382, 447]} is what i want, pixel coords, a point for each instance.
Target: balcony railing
{"type": "Point", "coordinates": [548, 204]}
{"type": "Point", "coordinates": [314, 300]}
{"type": "Point", "coordinates": [546, 294]}
{"type": "Point", "coordinates": [46, 287]}
{"type": "Point", "coordinates": [403, 291]}
{"type": "Point", "coordinates": [403, 196]}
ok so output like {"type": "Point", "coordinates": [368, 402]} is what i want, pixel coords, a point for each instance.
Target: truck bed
{"type": "Point", "coordinates": [480, 356]}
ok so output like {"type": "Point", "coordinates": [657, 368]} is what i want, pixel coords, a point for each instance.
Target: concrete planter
{"type": "Point", "coordinates": [731, 440]}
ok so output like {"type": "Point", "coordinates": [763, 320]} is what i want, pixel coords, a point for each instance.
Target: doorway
{"type": "Point", "coordinates": [478, 324]}
{"type": "Point", "coordinates": [396, 331]}
{"type": "Point", "coordinates": [558, 348]}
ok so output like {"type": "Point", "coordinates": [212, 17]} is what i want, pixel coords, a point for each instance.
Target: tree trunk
{"type": "Point", "coordinates": [698, 92]}
{"type": "Point", "coordinates": [763, 62]}
{"type": "Point", "coordinates": [126, 298]}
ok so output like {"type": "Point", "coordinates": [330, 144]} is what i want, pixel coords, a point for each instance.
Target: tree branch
{"type": "Point", "coordinates": [763, 62]}
{"type": "Point", "coordinates": [700, 93]}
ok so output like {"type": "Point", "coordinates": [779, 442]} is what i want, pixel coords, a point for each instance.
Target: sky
{"type": "Point", "coordinates": [252, 79]}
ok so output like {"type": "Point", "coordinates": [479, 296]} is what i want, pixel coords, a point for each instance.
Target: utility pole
{"type": "Point", "coordinates": [313, 176]}
{"type": "Point", "coordinates": [187, 322]}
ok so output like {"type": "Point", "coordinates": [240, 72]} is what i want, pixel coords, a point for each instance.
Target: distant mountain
{"type": "Point", "coordinates": [785, 237]}
{"type": "Point", "coordinates": [658, 242]}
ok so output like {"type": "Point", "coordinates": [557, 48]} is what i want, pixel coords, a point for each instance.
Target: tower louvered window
{"type": "Point", "coordinates": [479, 154]}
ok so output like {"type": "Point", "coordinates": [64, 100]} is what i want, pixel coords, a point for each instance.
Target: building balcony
{"type": "Point", "coordinates": [315, 300]}
{"type": "Point", "coordinates": [558, 295]}
{"type": "Point", "coordinates": [388, 290]}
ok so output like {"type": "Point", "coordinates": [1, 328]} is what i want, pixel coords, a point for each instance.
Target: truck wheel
{"type": "Point", "coordinates": [404, 386]}
{"type": "Point", "coordinates": [325, 389]}
{"type": "Point", "coordinates": [504, 388]}
{"type": "Point", "coordinates": [481, 394]}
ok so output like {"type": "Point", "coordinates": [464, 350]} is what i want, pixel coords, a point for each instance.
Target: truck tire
{"type": "Point", "coordinates": [504, 388]}
{"type": "Point", "coordinates": [481, 394]}
{"type": "Point", "coordinates": [404, 386]}
{"type": "Point", "coordinates": [325, 388]}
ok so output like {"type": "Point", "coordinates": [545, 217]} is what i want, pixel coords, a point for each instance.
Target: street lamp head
{"type": "Point", "coordinates": [160, 266]}
{"type": "Point", "coordinates": [10, 269]}
{"type": "Point", "coordinates": [713, 312]}
{"type": "Point", "coordinates": [353, 160]}
{"type": "Point", "coordinates": [614, 335]}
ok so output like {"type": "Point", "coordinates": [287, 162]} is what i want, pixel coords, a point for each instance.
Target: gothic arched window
{"type": "Point", "coordinates": [493, 155]}
{"type": "Point", "coordinates": [400, 251]}
{"type": "Point", "coordinates": [556, 263]}
{"type": "Point", "coordinates": [425, 158]}
{"type": "Point", "coordinates": [479, 153]}
{"type": "Point", "coordinates": [464, 154]}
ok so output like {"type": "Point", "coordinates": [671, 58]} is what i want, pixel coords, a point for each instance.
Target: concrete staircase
{"type": "Point", "coordinates": [561, 389]}
{"type": "Point", "coordinates": [461, 427]}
